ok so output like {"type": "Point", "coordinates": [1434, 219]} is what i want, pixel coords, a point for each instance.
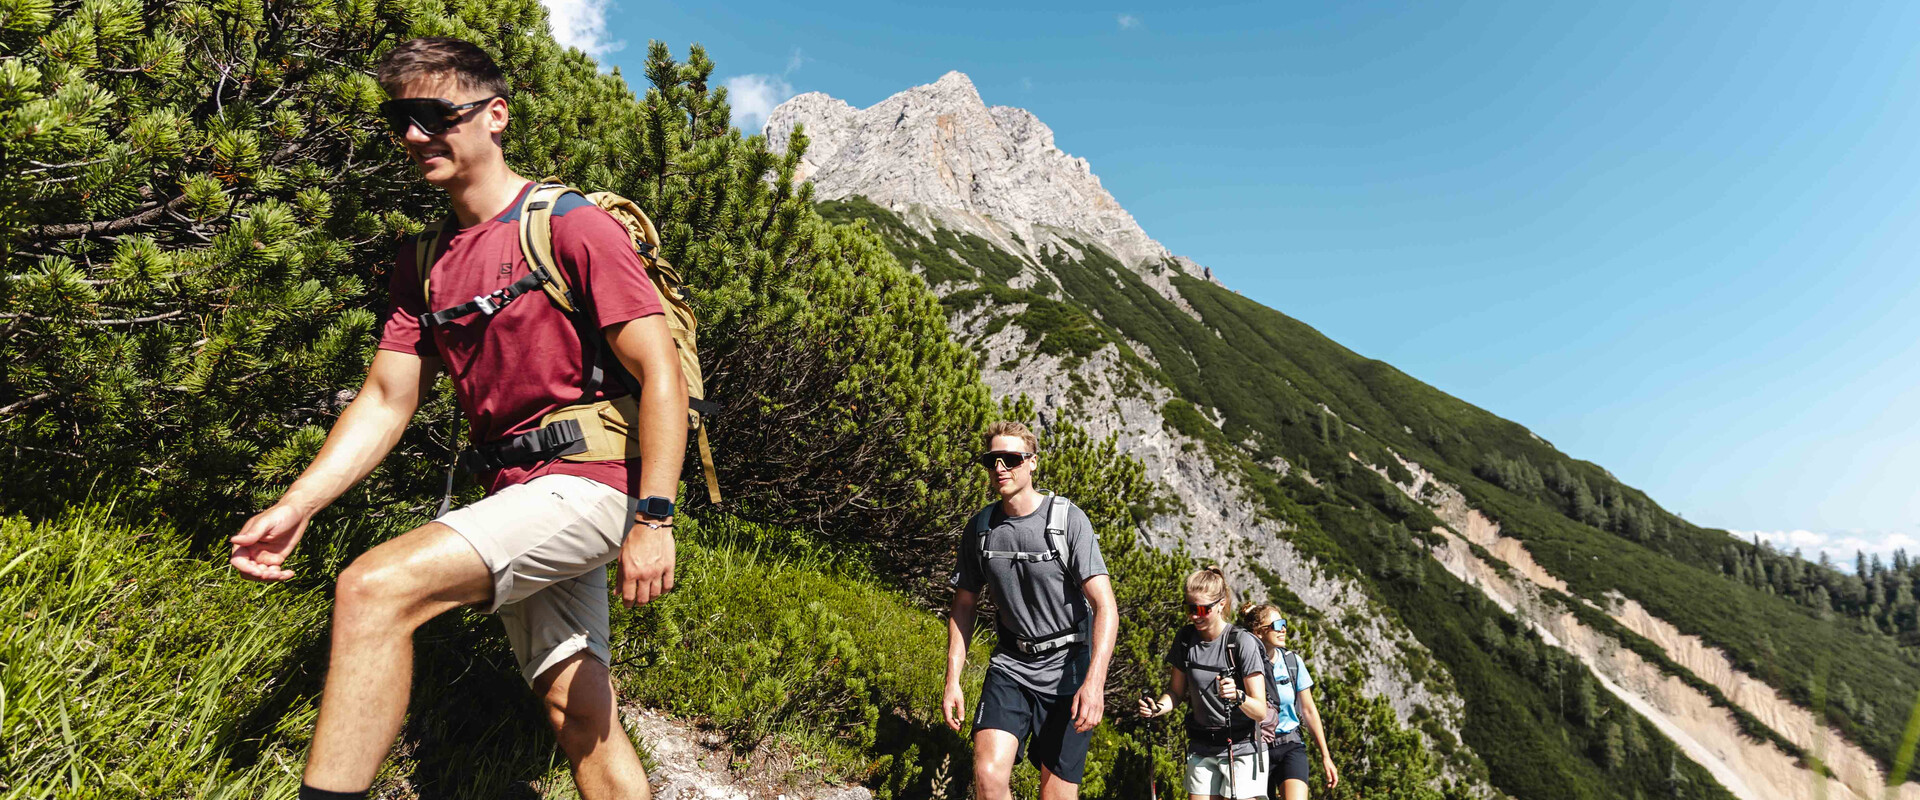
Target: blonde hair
{"type": "Point", "coordinates": [1210, 582]}
{"type": "Point", "coordinates": [1253, 615]}
{"type": "Point", "coordinates": [1007, 427]}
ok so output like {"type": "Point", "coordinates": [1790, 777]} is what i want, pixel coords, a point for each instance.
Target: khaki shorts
{"type": "Point", "coordinates": [548, 543]}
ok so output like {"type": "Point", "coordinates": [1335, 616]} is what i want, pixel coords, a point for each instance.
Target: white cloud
{"type": "Point", "coordinates": [753, 97]}
{"type": "Point", "coordinates": [1129, 21]}
{"type": "Point", "coordinates": [1840, 546]}
{"type": "Point", "coordinates": [582, 24]}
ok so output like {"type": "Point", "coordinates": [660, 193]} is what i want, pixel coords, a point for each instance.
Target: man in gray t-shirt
{"type": "Point", "coordinates": [1057, 623]}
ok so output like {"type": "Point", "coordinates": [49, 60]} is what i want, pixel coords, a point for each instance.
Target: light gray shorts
{"type": "Point", "coordinates": [1207, 775]}
{"type": "Point", "coordinates": [548, 542]}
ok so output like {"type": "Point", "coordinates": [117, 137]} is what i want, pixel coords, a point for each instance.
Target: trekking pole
{"type": "Point", "coordinates": [1153, 764]}
{"type": "Point", "coordinates": [1233, 788]}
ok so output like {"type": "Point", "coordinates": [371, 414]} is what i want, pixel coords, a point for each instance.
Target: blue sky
{"type": "Point", "coordinates": [1673, 239]}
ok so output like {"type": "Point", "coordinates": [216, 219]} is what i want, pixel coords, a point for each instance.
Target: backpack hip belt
{"type": "Point", "coordinates": [607, 430]}
{"type": "Point", "coordinates": [1218, 737]}
{"type": "Point", "coordinates": [1049, 643]}
{"type": "Point", "coordinates": [543, 444]}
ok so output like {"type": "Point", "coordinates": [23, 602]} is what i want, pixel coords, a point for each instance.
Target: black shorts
{"type": "Point", "coordinates": [1286, 762]}
{"type": "Point", "coordinates": [1045, 719]}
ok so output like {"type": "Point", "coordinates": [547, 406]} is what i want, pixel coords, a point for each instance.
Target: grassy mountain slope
{"type": "Point", "coordinates": [1284, 391]}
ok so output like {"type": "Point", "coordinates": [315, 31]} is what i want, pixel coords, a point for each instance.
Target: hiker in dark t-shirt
{"type": "Point", "coordinates": [536, 548]}
{"type": "Point", "coordinates": [1046, 683]}
{"type": "Point", "coordinates": [1216, 668]}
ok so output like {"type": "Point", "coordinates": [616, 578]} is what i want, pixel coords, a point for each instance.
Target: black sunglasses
{"type": "Point", "coordinates": [1009, 459]}
{"type": "Point", "coordinates": [434, 115]}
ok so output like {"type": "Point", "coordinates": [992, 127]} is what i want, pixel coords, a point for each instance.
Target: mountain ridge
{"type": "Point", "coordinates": [999, 162]}
{"type": "Point", "coordinates": [1032, 272]}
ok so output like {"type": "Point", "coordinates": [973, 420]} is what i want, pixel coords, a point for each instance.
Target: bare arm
{"type": "Point", "coordinates": [1089, 704]}
{"type": "Point", "coordinates": [1255, 706]}
{"type": "Point", "coordinates": [363, 435]}
{"type": "Point", "coordinates": [960, 619]}
{"type": "Point", "coordinates": [645, 347]}
{"type": "Point", "coordinates": [1310, 717]}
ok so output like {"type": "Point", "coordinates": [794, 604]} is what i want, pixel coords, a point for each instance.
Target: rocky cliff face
{"type": "Point", "coordinates": [1503, 568]}
{"type": "Point", "coordinates": [940, 146]}
{"type": "Point", "coordinates": [940, 158]}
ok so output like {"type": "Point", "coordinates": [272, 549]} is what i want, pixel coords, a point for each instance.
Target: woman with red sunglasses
{"type": "Point", "coordinates": [1216, 667]}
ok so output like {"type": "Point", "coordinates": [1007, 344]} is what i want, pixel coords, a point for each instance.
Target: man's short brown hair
{"type": "Point", "coordinates": [1011, 428]}
{"type": "Point", "coordinates": [438, 55]}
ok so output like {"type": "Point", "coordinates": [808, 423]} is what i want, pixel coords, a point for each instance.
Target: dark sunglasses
{"type": "Point", "coordinates": [1005, 458]}
{"type": "Point", "coordinates": [1200, 608]}
{"type": "Point", "coordinates": [434, 115]}
{"type": "Point", "coordinates": [1276, 625]}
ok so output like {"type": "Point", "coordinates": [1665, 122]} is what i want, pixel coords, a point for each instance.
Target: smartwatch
{"type": "Point", "coordinates": [656, 507]}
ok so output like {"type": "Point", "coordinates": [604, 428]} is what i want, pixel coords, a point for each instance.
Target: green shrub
{"type": "Point", "coordinates": [766, 640]}
{"type": "Point", "coordinates": [193, 282]}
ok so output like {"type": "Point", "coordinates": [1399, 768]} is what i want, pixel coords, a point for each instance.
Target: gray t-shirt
{"type": "Point", "coordinates": [1035, 599]}
{"type": "Point", "coordinates": [1212, 720]}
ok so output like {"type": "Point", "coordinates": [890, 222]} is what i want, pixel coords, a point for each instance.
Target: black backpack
{"type": "Point", "coordinates": [1270, 728]}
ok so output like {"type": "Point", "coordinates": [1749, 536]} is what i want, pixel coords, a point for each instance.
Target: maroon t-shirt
{"type": "Point", "coordinates": [524, 361]}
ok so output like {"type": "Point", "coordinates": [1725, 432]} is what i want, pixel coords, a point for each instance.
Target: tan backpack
{"type": "Point", "coordinates": [609, 429]}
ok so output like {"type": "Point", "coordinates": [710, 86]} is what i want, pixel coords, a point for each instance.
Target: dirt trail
{"type": "Point", "coordinates": [691, 764]}
{"type": "Point", "coordinates": [1709, 734]}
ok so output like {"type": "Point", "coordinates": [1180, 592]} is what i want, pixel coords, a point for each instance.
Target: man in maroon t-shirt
{"type": "Point", "coordinates": [535, 549]}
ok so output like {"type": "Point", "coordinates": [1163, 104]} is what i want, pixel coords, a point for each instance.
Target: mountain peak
{"type": "Point", "coordinates": [940, 149]}
{"type": "Point", "coordinates": [955, 79]}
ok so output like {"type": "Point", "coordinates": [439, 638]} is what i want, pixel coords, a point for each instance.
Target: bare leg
{"type": "Point", "coordinates": [380, 599]}
{"type": "Point", "coordinates": [1053, 787]}
{"type": "Point", "coordinates": [586, 720]}
{"type": "Point", "coordinates": [1295, 789]}
{"type": "Point", "coordinates": [993, 752]}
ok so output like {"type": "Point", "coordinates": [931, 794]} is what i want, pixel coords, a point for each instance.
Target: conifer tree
{"type": "Point", "coordinates": [200, 211]}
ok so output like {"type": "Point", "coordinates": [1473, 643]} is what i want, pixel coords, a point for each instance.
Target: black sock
{"type": "Point", "coordinates": [310, 793]}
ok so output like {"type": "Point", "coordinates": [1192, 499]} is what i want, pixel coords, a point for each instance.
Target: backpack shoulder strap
{"type": "Point", "coordinates": [1232, 637]}
{"type": "Point", "coordinates": [536, 242]}
{"type": "Point", "coordinates": [426, 250]}
{"type": "Point", "coordinates": [977, 529]}
{"type": "Point", "coordinates": [1293, 667]}
{"type": "Point", "coordinates": [1057, 510]}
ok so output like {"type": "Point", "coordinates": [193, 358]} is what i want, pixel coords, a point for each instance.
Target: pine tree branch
{"type": "Point", "coordinates": [20, 405]}
{"type": "Point", "coordinates": [135, 320]}
{"type": "Point", "coordinates": [67, 453]}
{"type": "Point", "coordinates": [40, 167]}
{"type": "Point", "coordinates": [146, 214]}
{"type": "Point", "coordinates": [129, 321]}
